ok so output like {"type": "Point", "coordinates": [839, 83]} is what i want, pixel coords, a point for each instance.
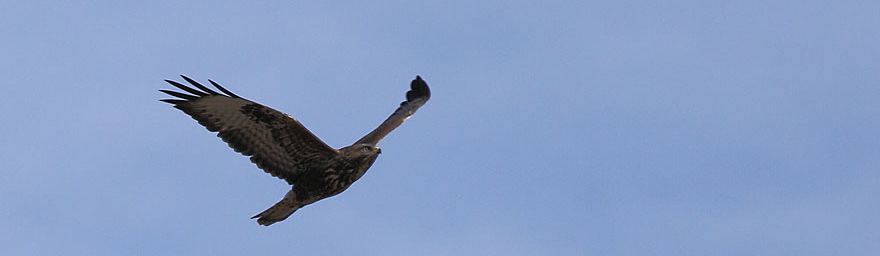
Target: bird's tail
{"type": "Point", "coordinates": [279, 211]}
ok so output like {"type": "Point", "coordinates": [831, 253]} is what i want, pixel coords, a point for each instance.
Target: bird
{"type": "Point", "coordinates": [282, 147]}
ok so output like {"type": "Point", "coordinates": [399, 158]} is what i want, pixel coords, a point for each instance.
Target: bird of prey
{"type": "Point", "coordinates": [281, 146]}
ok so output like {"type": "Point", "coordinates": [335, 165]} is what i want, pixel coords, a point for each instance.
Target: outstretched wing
{"type": "Point", "coordinates": [417, 96]}
{"type": "Point", "coordinates": [275, 142]}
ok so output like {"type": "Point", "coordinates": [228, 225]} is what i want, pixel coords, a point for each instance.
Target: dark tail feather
{"type": "Point", "coordinates": [279, 211]}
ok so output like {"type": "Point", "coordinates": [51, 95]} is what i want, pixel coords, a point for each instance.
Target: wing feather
{"type": "Point", "coordinates": [275, 142]}
{"type": "Point", "coordinates": [227, 92]}
{"type": "Point", "coordinates": [417, 96]}
{"type": "Point", "coordinates": [180, 95]}
{"type": "Point", "coordinates": [185, 88]}
{"type": "Point", "coordinates": [198, 85]}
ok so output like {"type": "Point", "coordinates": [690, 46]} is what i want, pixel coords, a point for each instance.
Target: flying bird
{"type": "Point", "coordinates": [282, 147]}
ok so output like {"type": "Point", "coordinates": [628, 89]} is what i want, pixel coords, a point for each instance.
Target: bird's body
{"type": "Point", "coordinates": [284, 148]}
{"type": "Point", "coordinates": [337, 176]}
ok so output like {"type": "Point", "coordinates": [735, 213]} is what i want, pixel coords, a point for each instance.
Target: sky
{"type": "Point", "coordinates": [554, 127]}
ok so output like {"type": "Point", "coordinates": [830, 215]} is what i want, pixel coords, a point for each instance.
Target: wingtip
{"type": "Point", "coordinates": [173, 101]}
{"type": "Point", "coordinates": [179, 95]}
{"type": "Point", "coordinates": [222, 89]}
{"type": "Point", "coordinates": [419, 88]}
{"type": "Point", "coordinates": [199, 85]}
{"type": "Point", "coordinates": [419, 82]}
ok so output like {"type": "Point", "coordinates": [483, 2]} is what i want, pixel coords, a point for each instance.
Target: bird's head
{"type": "Point", "coordinates": [361, 151]}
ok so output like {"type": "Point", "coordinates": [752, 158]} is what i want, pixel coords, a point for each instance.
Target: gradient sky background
{"type": "Point", "coordinates": [555, 127]}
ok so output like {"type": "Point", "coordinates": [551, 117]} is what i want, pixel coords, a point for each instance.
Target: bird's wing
{"type": "Point", "coordinates": [417, 96]}
{"type": "Point", "coordinates": [275, 142]}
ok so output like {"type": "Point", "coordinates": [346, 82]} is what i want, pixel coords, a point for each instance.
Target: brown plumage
{"type": "Point", "coordinates": [281, 146]}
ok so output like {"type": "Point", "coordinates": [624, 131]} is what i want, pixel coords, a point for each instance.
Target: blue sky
{"type": "Point", "coordinates": [554, 128]}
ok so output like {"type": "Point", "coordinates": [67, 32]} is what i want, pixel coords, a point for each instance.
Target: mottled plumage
{"type": "Point", "coordinates": [281, 146]}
